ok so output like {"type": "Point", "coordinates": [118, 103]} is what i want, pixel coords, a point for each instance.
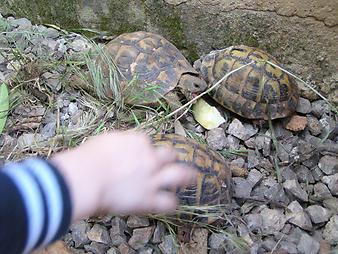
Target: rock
{"type": "Point", "coordinates": [304, 106]}
{"type": "Point", "coordinates": [312, 161]}
{"type": "Point", "coordinates": [276, 195]}
{"type": "Point", "coordinates": [314, 125]}
{"type": "Point", "coordinates": [297, 123]}
{"type": "Point", "coordinates": [332, 204]}
{"type": "Point", "coordinates": [158, 233]}
{"type": "Point", "coordinates": [269, 244]}
{"type": "Point", "coordinates": [72, 108]}
{"type": "Point", "coordinates": [140, 237]}
{"type": "Point", "coordinates": [237, 171]}
{"type": "Point", "coordinates": [304, 174]}
{"type": "Point", "coordinates": [21, 23]}
{"type": "Point", "coordinates": [145, 251]}
{"type": "Point", "coordinates": [330, 232]}
{"type": "Point", "coordinates": [293, 187]}
{"type": "Point", "coordinates": [124, 248]}
{"type": "Point", "coordinates": [168, 245]}
{"type": "Point", "coordinates": [241, 188]}
{"type": "Point", "coordinates": [49, 130]}
{"type": "Point", "coordinates": [319, 108]}
{"type": "Point", "coordinates": [254, 222]}
{"type": "Point", "coordinates": [79, 45]}
{"type": "Point", "coordinates": [96, 248]}
{"type": "Point", "coordinates": [321, 192]}
{"type": "Point", "coordinates": [296, 215]}
{"type": "Point", "coordinates": [288, 174]}
{"type": "Point", "coordinates": [318, 214]}
{"type": "Point", "coordinates": [243, 132]}
{"type": "Point", "coordinates": [99, 234]}
{"type": "Point", "coordinates": [289, 247]}
{"type": "Point", "coordinates": [332, 183]}
{"type": "Point", "coordinates": [328, 124]}
{"type": "Point", "coordinates": [307, 245]}
{"type": "Point", "coordinates": [216, 139]}
{"type": "Point", "coordinates": [254, 177]}
{"type": "Point", "coordinates": [27, 140]}
{"type": "Point", "coordinates": [79, 233]}
{"type": "Point", "coordinates": [113, 250]}
{"type": "Point", "coordinates": [273, 220]}
{"type": "Point", "coordinates": [263, 142]}
{"type": "Point", "coordinates": [317, 174]}
{"type": "Point", "coordinates": [232, 142]}
{"type": "Point", "coordinates": [217, 240]}
{"type": "Point", "coordinates": [137, 222]}
{"type": "Point", "coordinates": [329, 164]}
{"type": "Point", "coordinates": [253, 159]}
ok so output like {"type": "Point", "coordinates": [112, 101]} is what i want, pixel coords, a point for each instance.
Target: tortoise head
{"type": "Point", "coordinates": [191, 85]}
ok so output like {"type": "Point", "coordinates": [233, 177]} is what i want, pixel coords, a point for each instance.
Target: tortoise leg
{"type": "Point", "coordinates": [173, 101]}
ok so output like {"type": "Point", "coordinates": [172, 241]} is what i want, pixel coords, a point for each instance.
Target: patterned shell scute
{"type": "Point", "coordinates": [255, 91]}
{"type": "Point", "coordinates": [213, 186]}
{"type": "Point", "coordinates": [156, 64]}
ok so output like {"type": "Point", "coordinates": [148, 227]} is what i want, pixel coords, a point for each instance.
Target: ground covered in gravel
{"type": "Point", "coordinates": [285, 196]}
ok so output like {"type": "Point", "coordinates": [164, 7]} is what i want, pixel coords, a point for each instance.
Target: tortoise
{"type": "Point", "coordinates": [213, 185]}
{"type": "Point", "coordinates": [258, 91]}
{"type": "Point", "coordinates": [152, 68]}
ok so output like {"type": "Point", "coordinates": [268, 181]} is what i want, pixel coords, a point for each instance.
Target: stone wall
{"type": "Point", "coordinates": [302, 34]}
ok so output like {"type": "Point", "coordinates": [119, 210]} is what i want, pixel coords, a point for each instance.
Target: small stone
{"type": "Point", "coordinates": [332, 204]}
{"type": "Point", "coordinates": [137, 222]}
{"type": "Point", "coordinates": [49, 130]}
{"type": "Point", "coordinates": [96, 248]}
{"type": "Point", "coordinates": [317, 174]}
{"type": "Point", "coordinates": [243, 132]}
{"type": "Point", "coordinates": [312, 161]}
{"type": "Point", "coordinates": [288, 174]}
{"type": "Point", "coordinates": [140, 237]}
{"type": "Point", "coordinates": [304, 174]}
{"type": "Point", "coordinates": [28, 140]}
{"type": "Point", "coordinates": [253, 159]}
{"type": "Point", "coordinates": [321, 192]}
{"type": "Point", "coordinates": [72, 108]}
{"type": "Point", "coordinates": [293, 187]}
{"type": "Point", "coordinates": [319, 108]}
{"type": "Point", "coordinates": [232, 142]}
{"type": "Point", "coordinates": [158, 233]}
{"type": "Point", "coordinates": [276, 194]}
{"type": "Point", "coordinates": [254, 222]}
{"type": "Point", "coordinates": [296, 215]}
{"type": "Point", "coordinates": [318, 214]}
{"type": "Point", "coordinates": [216, 139]}
{"type": "Point", "coordinates": [240, 162]}
{"type": "Point", "coordinates": [269, 244]}
{"type": "Point", "coordinates": [117, 230]}
{"type": "Point", "coordinates": [241, 188]}
{"type": "Point", "coordinates": [332, 183]}
{"type": "Point", "coordinates": [168, 245]}
{"type": "Point", "coordinates": [254, 177]}
{"type": "Point", "coordinates": [329, 164]}
{"type": "Point", "coordinates": [273, 220]}
{"type": "Point", "coordinates": [304, 106]}
{"type": "Point", "coordinates": [99, 233]}
{"type": "Point", "coordinates": [308, 245]}
{"type": "Point", "coordinates": [22, 23]}
{"type": "Point", "coordinates": [314, 125]}
{"type": "Point", "coordinates": [113, 250]}
{"type": "Point", "coordinates": [330, 232]}
{"type": "Point", "coordinates": [289, 247]}
{"type": "Point", "coordinates": [124, 248]}
{"type": "Point", "coordinates": [145, 251]}
{"type": "Point", "coordinates": [297, 123]}
{"type": "Point", "coordinates": [79, 233]}
{"type": "Point", "coordinates": [238, 171]}
{"type": "Point", "coordinates": [217, 240]}
{"type": "Point", "coordinates": [79, 45]}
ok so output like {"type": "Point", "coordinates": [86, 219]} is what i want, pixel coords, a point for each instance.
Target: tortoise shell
{"type": "Point", "coordinates": [151, 62]}
{"type": "Point", "coordinates": [213, 185]}
{"type": "Point", "coordinates": [254, 92]}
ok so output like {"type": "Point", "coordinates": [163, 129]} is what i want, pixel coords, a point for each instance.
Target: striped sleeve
{"type": "Point", "coordinates": [35, 208]}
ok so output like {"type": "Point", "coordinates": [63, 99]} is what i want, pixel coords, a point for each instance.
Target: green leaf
{"type": "Point", "coordinates": [4, 106]}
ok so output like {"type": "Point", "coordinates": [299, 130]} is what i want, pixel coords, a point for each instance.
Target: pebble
{"type": "Point", "coordinates": [241, 131]}
{"type": "Point", "coordinates": [241, 187]}
{"type": "Point", "coordinates": [117, 231]}
{"type": "Point", "coordinates": [304, 106]}
{"type": "Point", "coordinates": [254, 177]}
{"type": "Point", "coordinates": [99, 234]}
{"type": "Point", "coordinates": [28, 140]}
{"type": "Point", "coordinates": [254, 222]}
{"type": "Point", "coordinates": [113, 250]}
{"type": "Point", "coordinates": [330, 232]}
{"type": "Point", "coordinates": [329, 164]}
{"type": "Point", "coordinates": [332, 183]}
{"type": "Point", "coordinates": [319, 108]}
{"type": "Point", "coordinates": [321, 192]}
{"type": "Point", "coordinates": [308, 245]}
{"type": "Point", "coordinates": [289, 247]}
{"type": "Point", "coordinates": [332, 204]}
{"type": "Point", "coordinates": [140, 237]}
{"type": "Point", "coordinates": [79, 233]}
{"type": "Point", "coordinates": [297, 123]}
{"type": "Point", "coordinates": [216, 139]}
{"type": "Point", "coordinates": [137, 222]}
{"type": "Point", "coordinates": [158, 233]}
{"type": "Point", "coordinates": [276, 194]}
{"type": "Point", "coordinates": [273, 220]}
{"type": "Point", "coordinates": [217, 240]}
{"type": "Point", "coordinates": [96, 248]}
{"type": "Point", "coordinates": [124, 248]}
{"type": "Point", "coordinates": [314, 125]}
{"type": "Point", "coordinates": [294, 188]}
{"type": "Point", "coordinates": [304, 174]}
{"type": "Point", "coordinates": [296, 215]}
{"type": "Point", "coordinates": [168, 245]}
{"type": "Point", "coordinates": [318, 214]}
{"type": "Point", "coordinates": [232, 142]}
{"type": "Point", "coordinates": [288, 174]}
{"type": "Point", "coordinates": [317, 174]}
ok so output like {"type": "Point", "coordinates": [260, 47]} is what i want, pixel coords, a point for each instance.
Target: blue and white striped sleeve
{"type": "Point", "coordinates": [35, 205]}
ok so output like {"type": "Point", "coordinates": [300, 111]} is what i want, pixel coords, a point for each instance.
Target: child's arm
{"type": "Point", "coordinates": [116, 172]}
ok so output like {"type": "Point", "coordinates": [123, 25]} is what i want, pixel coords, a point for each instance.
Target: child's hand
{"type": "Point", "coordinates": [121, 173]}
